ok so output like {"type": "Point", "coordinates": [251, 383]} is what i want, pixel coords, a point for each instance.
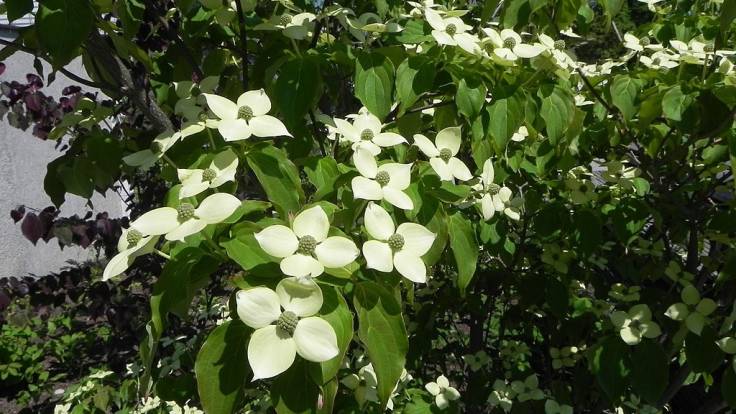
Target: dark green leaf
{"type": "Point", "coordinates": [374, 82]}
{"type": "Point", "coordinates": [18, 8]}
{"type": "Point", "coordinates": [702, 353]}
{"type": "Point", "coordinates": [414, 77]}
{"type": "Point", "coordinates": [649, 370]}
{"type": "Point", "coordinates": [62, 26]}
{"type": "Point", "coordinates": [337, 313]}
{"type": "Point", "coordinates": [610, 364]}
{"type": "Point", "coordinates": [297, 89]}
{"type": "Point", "coordinates": [278, 176]}
{"type": "Point", "coordinates": [464, 248]}
{"type": "Point", "coordinates": [624, 92]}
{"type": "Point", "coordinates": [293, 391]}
{"type": "Point", "coordinates": [470, 98]}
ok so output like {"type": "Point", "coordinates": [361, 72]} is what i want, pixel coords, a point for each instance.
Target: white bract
{"type": "Point", "coordinates": [635, 324]}
{"type": "Point", "coordinates": [385, 182]}
{"type": "Point", "coordinates": [528, 389]}
{"type": "Point", "coordinates": [494, 197]}
{"type": "Point", "coordinates": [365, 132]}
{"type": "Point", "coordinates": [132, 243]}
{"type": "Point", "coordinates": [442, 153]}
{"type": "Point", "coordinates": [451, 31]}
{"type": "Point", "coordinates": [502, 396]}
{"type": "Point", "coordinates": [280, 335]}
{"type": "Point", "coordinates": [146, 158]}
{"type": "Point", "coordinates": [191, 101]}
{"type": "Point", "coordinates": [693, 310]}
{"type": "Point", "coordinates": [239, 120]}
{"type": "Point", "coordinates": [520, 134]}
{"type": "Point", "coordinates": [178, 223]}
{"type": "Point", "coordinates": [365, 386]}
{"type": "Point", "coordinates": [221, 170]}
{"type": "Point", "coordinates": [508, 46]}
{"type": "Point", "coordinates": [400, 248]}
{"type": "Point", "coordinates": [442, 391]}
{"type": "Point", "coordinates": [305, 248]}
{"type": "Point", "coordinates": [297, 27]}
{"type": "Point", "coordinates": [553, 407]}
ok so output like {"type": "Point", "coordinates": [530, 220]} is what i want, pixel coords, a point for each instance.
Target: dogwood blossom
{"type": "Point", "coordinates": [365, 131]}
{"type": "Point", "coordinates": [191, 101]}
{"type": "Point", "coordinates": [494, 197]}
{"type": "Point", "coordinates": [381, 182]}
{"type": "Point", "coordinates": [131, 244]}
{"type": "Point", "coordinates": [239, 120]}
{"type": "Point", "coordinates": [693, 310]}
{"type": "Point", "coordinates": [305, 248]}
{"type": "Point", "coordinates": [221, 170]}
{"type": "Point", "coordinates": [400, 248]}
{"type": "Point", "coordinates": [146, 158]}
{"type": "Point", "coordinates": [297, 27]}
{"type": "Point", "coordinates": [442, 153]}
{"type": "Point", "coordinates": [635, 324]}
{"type": "Point", "coordinates": [282, 334]}
{"type": "Point", "coordinates": [365, 385]}
{"type": "Point", "coordinates": [502, 396]}
{"type": "Point", "coordinates": [660, 60]}
{"type": "Point", "coordinates": [509, 47]}
{"type": "Point", "coordinates": [451, 31]}
{"type": "Point", "coordinates": [178, 223]}
{"type": "Point", "coordinates": [442, 391]}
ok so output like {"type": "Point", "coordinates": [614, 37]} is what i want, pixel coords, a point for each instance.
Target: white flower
{"type": "Point", "coordinates": [131, 244]}
{"type": "Point", "coordinates": [365, 386]}
{"type": "Point", "coordinates": [442, 153]}
{"type": "Point", "coordinates": [401, 248]}
{"type": "Point", "coordinates": [442, 391]}
{"type": "Point", "coordinates": [385, 182]}
{"type": "Point", "coordinates": [508, 46]}
{"type": "Point", "coordinates": [693, 309]}
{"type": "Point", "coordinates": [650, 4]}
{"type": "Point", "coordinates": [297, 27]}
{"type": "Point", "coordinates": [239, 120]}
{"type": "Point", "coordinates": [451, 31]}
{"type": "Point", "coordinates": [553, 407]}
{"type": "Point", "coordinates": [221, 170]}
{"type": "Point", "coordinates": [581, 100]}
{"type": "Point", "coordinates": [280, 335]}
{"type": "Point", "coordinates": [191, 101]}
{"type": "Point", "coordinates": [371, 22]}
{"type": "Point", "coordinates": [520, 134]}
{"type": "Point", "coordinates": [638, 45]}
{"type": "Point", "coordinates": [635, 324]}
{"type": "Point", "coordinates": [146, 158]}
{"type": "Point", "coordinates": [178, 223]}
{"type": "Point", "coordinates": [528, 389]}
{"type": "Point", "coordinates": [495, 198]}
{"type": "Point", "coordinates": [502, 396]}
{"type": "Point", "coordinates": [365, 132]}
{"type": "Point", "coordinates": [306, 248]}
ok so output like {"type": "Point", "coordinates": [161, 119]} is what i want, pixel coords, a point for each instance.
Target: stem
{"type": "Point", "coordinates": [167, 159]}
{"type": "Point", "coordinates": [212, 139]}
{"type": "Point", "coordinates": [162, 254]}
{"type": "Point", "coordinates": [296, 47]}
{"type": "Point", "coordinates": [243, 42]}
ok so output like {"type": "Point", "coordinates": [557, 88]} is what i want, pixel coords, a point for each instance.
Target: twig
{"type": "Point", "coordinates": [244, 42]}
{"type": "Point", "coordinates": [317, 135]}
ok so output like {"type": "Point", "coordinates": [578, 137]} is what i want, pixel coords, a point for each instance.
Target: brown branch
{"type": "Point", "coordinates": [144, 100]}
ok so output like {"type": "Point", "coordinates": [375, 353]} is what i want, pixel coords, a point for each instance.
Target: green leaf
{"type": "Point", "coordinates": [78, 178]}
{"type": "Point", "coordinates": [337, 313]}
{"type": "Point", "coordinates": [62, 26]}
{"type": "Point", "coordinates": [297, 89]}
{"type": "Point", "coordinates": [649, 370]}
{"type": "Point", "coordinates": [557, 110]}
{"type": "Point", "coordinates": [414, 77]}
{"type": "Point", "coordinates": [674, 103]}
{"type": "Point", "coordinates": [610, 364]}
{"type": "Point", "coordinates": [731, 151]}
{"type": "Point", "coordinates": [703, 354]}
{"type": "Point", "coordinates": [293, 391]}
{"type": "Point", "coordinates": [245, 251]}
{"type": "Point", "coordinates": [278, 176]}
{"type": "Point", "coordinates": [381, 330]}
{"type": "Point", "coordinates": [470, 98]}
{"type": "Point", "coordinates": [464, 248]}
{"type": "Point", "coordinates": [222, 368]}
{"type": "Point", "coordinates": [505, 118]}
{"type": "Point", "coordinates": [728, 13]}
{"type": "Point", "coordinates": [18, 8]}
{"type": "Point", "coordinates": [624, 92]}
{"type": "Point", "coordinates": [374, 81]}
{"type": "Point", "coordinates": [728, 386]}
{"type": "Point", "coordinates": [323, 174]}
{"type": "Point", "coordinates": [130, 14]}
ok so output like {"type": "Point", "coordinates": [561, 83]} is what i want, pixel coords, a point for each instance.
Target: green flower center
{"type": "Point", "coordinates": [445, 154]}
{"type": "Point", "coordinates": [644, 41]}
{"type": "Point", "coordinates": [185, 211]}
{"type": "Point", "coordinates": [396, 242]}
{"type": "Point", "coordinates": [451, 29]}
{"type": "Point", "coordinates": [285, 19]}
{"type": "Point", "coordinates": [133, 237]}
{"type": "Point", "coordinates": [245, 112]}
{"type": "Point", "coordinates": [208, 174]}
{"type": "Point", "coordinates": [307, 244]}
{"type": "Point", "coordinates": [493, 188]}
{"type": "Point", "coordinates": [509, 43]}
{"type": "Point", "coordinates": [383, 178]}
{"type": "Point", "coordinates": [202, 116]}
{"type": "Point", "coordinates": [559, 44]}
{"type": "Point", "coordinates": [157, 147]}
{"type": "Point", "coordinates": [366, 135]}
{"type": "Point", "coordinates": [656, 61]}
{"type": "Point", "coordinates": [583, 188]}
{"type": "Point", "coordinates": [287, 322]}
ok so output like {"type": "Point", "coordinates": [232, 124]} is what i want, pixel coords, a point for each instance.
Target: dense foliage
{"type": "Point", "coordinates": [515, 206]}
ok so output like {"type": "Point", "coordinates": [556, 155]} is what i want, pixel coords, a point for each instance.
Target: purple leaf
{"type": "Point", "coordinates": [18, 213]}
{"type": "Point", "coordinates": [32, 227]}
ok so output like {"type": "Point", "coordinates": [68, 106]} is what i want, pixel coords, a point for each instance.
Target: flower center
{"type": "Point", "coordinates": [383, 178]}
{"type": "Point", "coordinates": [396, 242]}
{"type": "Point", "coordinates": [493, 188]}
{"type": "Point", "coordinates": [451, 29]}
{"type": "Point", "coordinates": [157, 147]}
{"type": "Point", "coordinates": [489, 47]}
{"type": "Point", "coordinates": [559, 44]}
{"type": "Point", "coordinates": [185, 211]}
{"type": "Point", "coordinates": [644, 41]}
{"type": "Point", "coordinates": [208, 174]}
{"type": "Point", "coordinates": [509, 43]}
{"type": "Point", "coordinates": [285, 19]}
{"type": "Point", "coordinates": [245, 112]}
{"type": "Point", "coordinates": [307, 244]}
{"type": "Point", "coordinates": [584, 188]}
{"type": "Point", "coordinates": [366, 135]}
{"type": "Point", "coordinates": [709, 49]}
{"type": "Point", "coordinates": [656, 61]}
{"type": "Point", "coordinates": [445, 154]}
{"type": "Point", "coordinates": [287, 322]}
{"type": "Point", "coordinates": [133, 237]}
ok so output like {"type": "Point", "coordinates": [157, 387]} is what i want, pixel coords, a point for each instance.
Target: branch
{"type": "Point", "coordinates": [318, 26]}
{"type": "Point", "coordinates": [244, 42]}
{"type": "Point", "coordinates": [144, 100]}
{"type": "Point", "coordinates": [35, 53]}
{"type": "Point", "coordinates": [675, 384]}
